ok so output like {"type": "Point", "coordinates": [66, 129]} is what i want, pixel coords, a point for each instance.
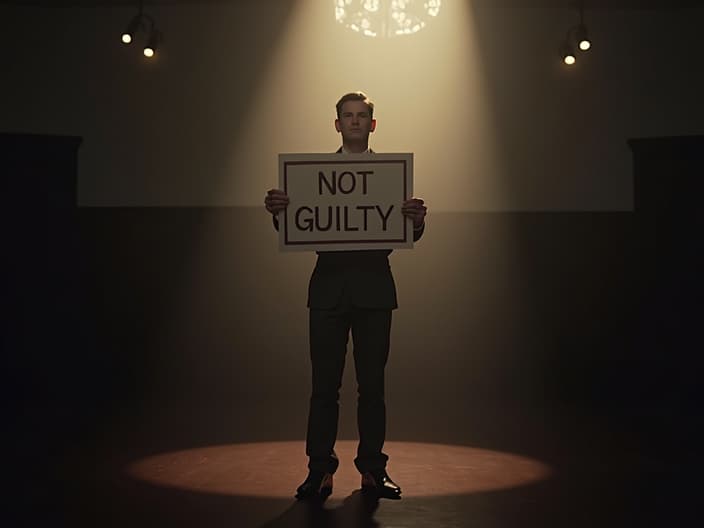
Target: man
{"type": "Point", "coordinates": [350, 290]}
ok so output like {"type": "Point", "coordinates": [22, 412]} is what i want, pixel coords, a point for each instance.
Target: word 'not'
{"type": "Point", "coordinates": [346, 182]}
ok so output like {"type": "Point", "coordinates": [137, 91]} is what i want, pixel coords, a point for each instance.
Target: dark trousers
{"type": "Point", "coordinates": [329, 331]}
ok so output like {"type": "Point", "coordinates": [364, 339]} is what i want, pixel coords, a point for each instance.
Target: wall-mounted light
{"type": "Point", "coordinates": [142, 22]}
{"type": "Point", "coordinates": [132, 28]}
{"type": "Point", "coordinates": [386, 18]}
{"type": "Point", "coordinates": [568, 56]}
{"type": "Point", "coordinates": [583, 37]}
{"type": "Point", "coordinates": [576, 34]}
{"type": "Point", "coordinates": [152, 43]}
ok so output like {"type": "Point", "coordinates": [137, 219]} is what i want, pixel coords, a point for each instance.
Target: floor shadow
{"type": "Point", "coordinates": [357, 511]}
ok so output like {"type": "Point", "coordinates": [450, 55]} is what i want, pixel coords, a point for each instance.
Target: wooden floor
{"type": "Point", "coordinates": [462, 466]}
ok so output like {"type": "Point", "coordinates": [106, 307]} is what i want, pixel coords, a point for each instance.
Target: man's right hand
{"type": "Point", "coordinates": [276, 200]}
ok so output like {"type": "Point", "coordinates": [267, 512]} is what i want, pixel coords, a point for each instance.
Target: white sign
{"type": "Point", "coordinates": [345, 201]}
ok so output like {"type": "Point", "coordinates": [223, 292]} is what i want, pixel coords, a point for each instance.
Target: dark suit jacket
{"type": "Point", "coordinates": [365, 277]}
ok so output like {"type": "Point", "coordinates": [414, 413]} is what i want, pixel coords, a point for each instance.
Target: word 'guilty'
{"type": "Point", "coordinates": [308, 219]}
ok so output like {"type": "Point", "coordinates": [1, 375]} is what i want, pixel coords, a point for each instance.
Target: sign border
{"type": "Point", "coordinates": [404, 159]}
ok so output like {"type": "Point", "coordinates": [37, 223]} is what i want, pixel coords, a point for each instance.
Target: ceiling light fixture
{"type": "Point", "coordinates": [386, 18]}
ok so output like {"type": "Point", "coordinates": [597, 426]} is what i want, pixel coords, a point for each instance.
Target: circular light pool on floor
{"type": "Point", "coordinates": [275, 469]}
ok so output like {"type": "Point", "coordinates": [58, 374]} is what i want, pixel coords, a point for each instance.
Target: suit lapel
{"type": "Point", "coordinates": [339, 151]}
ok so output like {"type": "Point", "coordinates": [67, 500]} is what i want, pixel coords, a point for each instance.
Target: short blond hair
{"type": "Point", "coordinates": [355, 96]}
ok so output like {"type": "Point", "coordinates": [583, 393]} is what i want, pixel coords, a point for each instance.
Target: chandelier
{"type": "Point", "coordinates": [386, 18]}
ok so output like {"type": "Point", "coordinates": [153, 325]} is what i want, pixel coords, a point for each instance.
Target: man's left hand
{"type": "Point", "coordinates": [415, 210]}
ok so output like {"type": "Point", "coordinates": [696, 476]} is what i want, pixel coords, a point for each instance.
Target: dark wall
{"type": "Point", "coordinates": [115, 311]}
{"type": "Point", "coordinates": [197, 306]}
{"type": "Point", "coordinates": [496, 122]}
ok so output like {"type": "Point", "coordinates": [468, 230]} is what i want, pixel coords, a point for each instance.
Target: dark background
{"type": "Point", "coordinates": [127, 315]}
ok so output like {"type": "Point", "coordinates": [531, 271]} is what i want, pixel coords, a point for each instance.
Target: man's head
{"type": "Point", "coordinates": [355, 96]}
{"type": "Point", "coordinates": [355, 119]}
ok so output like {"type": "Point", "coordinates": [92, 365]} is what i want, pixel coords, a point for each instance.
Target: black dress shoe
{"type": "Point", "coordinates": [380, 483]}
{"type": "Point", "coordinates": [318, 485]}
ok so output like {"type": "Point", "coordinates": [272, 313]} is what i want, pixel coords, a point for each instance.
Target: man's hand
{"type": "Point", "coordinates": [276, 200]}
{"type": "Point", "coordinates": [415, 210]}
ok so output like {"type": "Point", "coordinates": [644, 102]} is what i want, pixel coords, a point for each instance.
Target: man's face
{"type": "Point", "coordinates": [355, 124]}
